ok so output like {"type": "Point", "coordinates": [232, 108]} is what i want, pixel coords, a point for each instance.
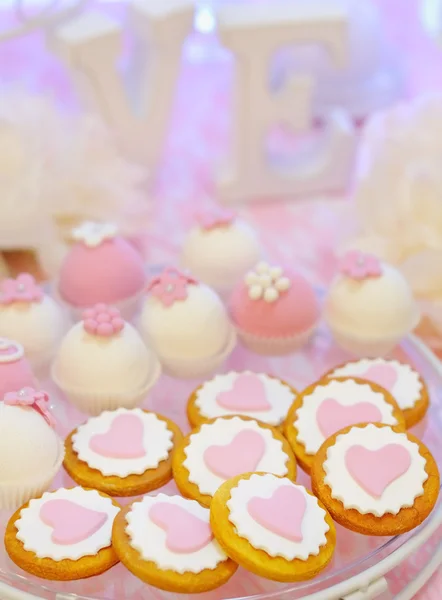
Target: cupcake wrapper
{"type": "Point", "coordinates": [15, 494]}
{"type": "Point", "coordinates": [128, 307]}
{"type": "Point", "coordinates": [364, 348]}
{"type": "Point", "coordinates": [198, 367]}
{"type": "Point", "coordinates": [95, 403]}
{"type": "Point", "coordinates": [275, 346]}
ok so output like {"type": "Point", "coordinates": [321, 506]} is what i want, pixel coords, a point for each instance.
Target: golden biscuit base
{"type": "Point", "coordinates": [369, 524]}
{"type": "Point", "coordinates": [132, 485]}
{"type": "Point", "coordinates": [165, 579]}
{"type": "Point", "coordinates": [412, 415]}
{"type": "Point", "coordinates": [195, 418]}
{"type": "Point", "coordinates": [57, 570]}
{"type": "Point", "coordinates": [258, 561]}
{"type": "Point", "coordinates": [291, 432]}
{"type": "Point", "coordinates": [181, 473]}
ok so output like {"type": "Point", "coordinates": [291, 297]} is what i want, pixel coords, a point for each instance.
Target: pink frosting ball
{"type": "Point", "coordinates": [294, 312]}
{"type": "Point", "coordinates": [110, 272]}
{"type": "Point", "coordinates": [16, 375]}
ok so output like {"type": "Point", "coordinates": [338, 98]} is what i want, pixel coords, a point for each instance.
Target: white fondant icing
{"type": "Point", "coordinates": [36, 535]}
{"type": "Point", "coordinates": [150, 540]}
{"type": "Point", "coordinates": [157, 442]}
{"type": "Point", "coordinates": [399, 494]}
{"type": "Point", "coordinates": [221, 433]}
{"type": "Point", "coordinates": [314, 525]}
{"type": "Point", "coordinates": [279, 396]}
{"type": "Point", "coordinates": [347, 393]}
{"type": "Point", "coordinates": [407, 389]}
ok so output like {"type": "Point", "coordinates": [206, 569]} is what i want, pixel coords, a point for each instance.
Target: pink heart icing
{"type": "Point", "coordinates": [332, 416]}
{"type": "Point", "coordinates": [123, 440]}
{"type": "Point", "coordinates": [374, 470]}
{"type": "Point", "coordinates": [242, 455]}
{"type": "Point", "coordinates": [185, 532]}
{"type": "Point", "coordinates": [247, 394]}
{"type": "Point", "coordinates": [384, 375]}
{"type": "Point", "coordinates": [282, 513]}
{"type": "Point", "coordinates": [71, 522]}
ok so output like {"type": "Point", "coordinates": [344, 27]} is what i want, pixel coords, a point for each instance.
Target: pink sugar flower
{"type": "Point", "coordinates": [359, 266]}
{"type": "Point", "coordinates": [170, 286]}
{"type": "Point", "coordinates": [102, 320]}
{"type": "Point", "coordinates": [38, 400]}
{"type": "Point", "coordinates": [215, 217]}
{"type": "Point", "coordinates": [22, 289]}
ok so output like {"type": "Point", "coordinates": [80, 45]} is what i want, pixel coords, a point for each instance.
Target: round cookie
{"type": "Point", "coordinates": [125, 452]}
{"type": "Point", "coordinates": [273, 527]}
{"type": "Point", "coordinates": [63, 535]}
{"type": "Point", "coordinates": [255, 395]}
{"type": "Point", "coordinates": [167, 542]}
{"type": "Point", "coordinates": [402, 381]}
{"type": "Point", "coordinates": [224, 448]}
{"type": "Point", "coordinates": [327, 406]}
{"type": "Point", "coordinates": [376, 479]}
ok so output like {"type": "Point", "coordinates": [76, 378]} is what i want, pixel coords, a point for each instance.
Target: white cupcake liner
{"type": "Point", "coordinates": [14, 494]}
{"type": "Point", "coordinates": [194, 368]}
{"type": "Point", "coordinates": [128, 308]}
{"type": "Point", "coordinates": [366, 348]}
{"type": "Point", "coordinates": [275, 346]}
{"type": "Point", "coordinates": [94, 403]}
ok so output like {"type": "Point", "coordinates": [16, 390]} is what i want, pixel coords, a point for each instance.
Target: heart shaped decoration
{"type": "Point", "coordinates": [332, 416]}
{"type": "Point", "coordinates": [374, 470]}
{"type": "Point", "coordinates": [247, 394]}
{"type": "Point", "coordinates": [282, 513]}
{"type": "Point", "coordinates": [242, 455]}
{"type": "Point", "coordinates": [384, 375]}
{"type": "Point", "coordinates": [185, 532]}
{"type": "Point", "coordinates": [71, 522]}
{"type": "Point", "coordinates": [123, 440]}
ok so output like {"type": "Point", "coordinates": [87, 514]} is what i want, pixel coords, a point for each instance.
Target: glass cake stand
{"type": "Point", "coordinates": [363, 567]}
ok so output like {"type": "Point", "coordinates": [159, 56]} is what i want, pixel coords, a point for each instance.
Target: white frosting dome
{"type": "Point", "coordinates": [116, 364]}
{"type": "Point", "coordinates": [197, 327]}
{"type": "Point", "coordinates": [38, 326]}
{"type": "Point", "coordinates": [28, 445]}
{"type": "Point", "coordinates": [220, 256]}
{"type": "Point", "coordinates": [374, 306]}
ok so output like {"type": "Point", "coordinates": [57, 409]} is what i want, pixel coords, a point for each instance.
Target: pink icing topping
{"type": "Point", "coordinates": [71, 522]}
{"type": "Point", "coordinates": [282, 513]}
{"type": "Point", "coordinates": [170, 286]}
{"type": "Point", "coordinates": [384, 375]}
{"type": "Point", "coordinates": [332, 416]}
{"type": "Point", "coordinates": [185, 532]}
{"type": "Point", "coordinates": [102, 320]}
{"type": "Point", "coordinates": [38, 400]}
{"type": "Point", "coordinates": [21, 289]}
{"type": "Point", "coordinates": [215, 217]}
{"type": "Point", "coordinates": [358, 265]}
{"type": "Point", "coordinates": [296, 311]}
{"type": "Point", "coordinates": [374, 470]}
{"type": "Point", "coordinates": [123, 440]}
{"type": "Point", "coordinates": [110, 272]}
{"type": "Point", "coordinates": [242, 455]}
{"type": "Point", "coordinates": [248, 393]}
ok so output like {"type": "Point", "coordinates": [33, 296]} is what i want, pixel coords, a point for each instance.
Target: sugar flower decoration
{"type": "Point", "coordinates": [21, 289]}
{"type": "Point", "coordinates": [357, 265]}
{"type": "Point", "coordinates": [215, 217]}
{"type": "Point", "coordinates": [10, 351]}
{"type": "Point", "coordinates": [266, 282]}
{"type": "Point", "coordinates": [38, 400]}
{"type": "Point", "coordinates": [170, 286]}
{"type": "Point", "coordinates": [102, 320]}
{"type": "Point", "coordinates": [93, 234]}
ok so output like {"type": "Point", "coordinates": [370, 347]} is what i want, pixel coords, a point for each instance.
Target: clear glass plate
{"type": "Point", "coordinates": [354, 553]}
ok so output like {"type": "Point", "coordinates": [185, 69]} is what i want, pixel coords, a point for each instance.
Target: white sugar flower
{"type": "Point", "coordinates": [266, 282]}
{"type": "Point", "coordinates": [93, 234]}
